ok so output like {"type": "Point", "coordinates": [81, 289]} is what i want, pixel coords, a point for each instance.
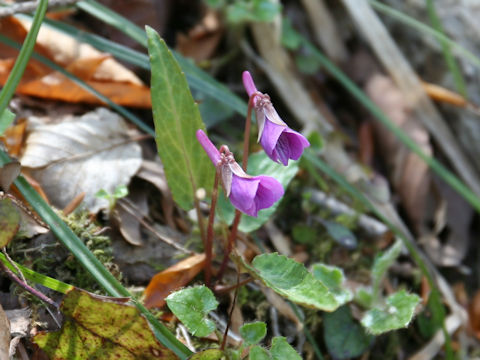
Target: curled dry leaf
{"type": "Point", "coordinates": [409, 174]}
{"type": "Point", "coordinates": [98, 70]}
{"type": "Point", "coordinates": [82, 154]}
{"type": "Point", "coordinates": [173, 278]}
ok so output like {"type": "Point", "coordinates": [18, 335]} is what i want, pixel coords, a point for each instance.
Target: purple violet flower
{"type": "Point", "coordinates": [249, 194]}
{"type": "Point", "coordinates": [279, 141]}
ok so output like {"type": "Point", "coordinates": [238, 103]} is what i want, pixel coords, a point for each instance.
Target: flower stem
{"type": "Point", "coordinates": [209, 240]}
{"type": "Point", "coordinates": [238, 214]}
{"type": "Point", "coordinates": [27, 287]}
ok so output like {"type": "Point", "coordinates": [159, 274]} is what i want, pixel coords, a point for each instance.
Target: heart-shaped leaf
{"type": "Point", "coordinates": [395, 314]}
{"type": "Point", "coordinates": [191, 306]}
{"type": "Point", "coordinates": [253, 333]}
{"type": "Point", "coordinates": [291, 280]}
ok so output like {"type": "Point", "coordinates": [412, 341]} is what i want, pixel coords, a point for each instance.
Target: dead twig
{"type": "Point", "coordinates": [30, 6]}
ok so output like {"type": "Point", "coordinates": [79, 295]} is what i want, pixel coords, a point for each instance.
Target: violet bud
{"type": "Point", "coordinates": [279, 141]}
{"type": "Point", "coordinates": [249, 194]}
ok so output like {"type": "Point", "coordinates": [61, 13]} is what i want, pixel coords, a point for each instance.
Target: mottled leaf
{"type": "Point", "coordinates": [9, 221]}
{"type": "Point", "coordinates": [191, 306]}
{"type": "Point", "coordinates": [332, 277]}
{"type": "Point", "coordinates": [292, 280]}
{"type": "Point", "coordinates": [344, 337]}
{"type": "Point", "coordinates": [395, 314]}
{"type": "Point", "coordinates": [253, 333]}
{"type": "Point", "coordinates": [102, 328]}
{"type": "Point", "coordinates": [177, 118]}
{"type": "Point", "coordinates": [259, 164]}
{"type": "Point", "coordinates": [209, 354]}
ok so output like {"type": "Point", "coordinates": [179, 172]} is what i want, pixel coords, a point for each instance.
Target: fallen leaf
{"type": "Point", "coordinates": [9, 221]}
{"type": "Point", "coordinates": [19, 326]}
{"type": "Point", "coordinates": [98, 327]}
{"type": "Point", "coordinates": [82, 154]}
{"type": "Point", "coordinates": [410, 175]}
{"type": "Point", "coordinates": [201, 42]}
{"type": "Point", "coordinates": [4, 335]}
{"type": "Point", "coordinates": [97, 69]}
{"type": "Point", "coordinates": [171, 279]}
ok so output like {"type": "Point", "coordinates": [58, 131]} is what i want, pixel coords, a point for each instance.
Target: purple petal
{"type": "Point", "coordinates": [271, 133]}
{"type": "Point", "coordinates": [268, 193]}
{"type": "Point", "coordinates": [242, 194]}
{"type": "Point", "coordinates": [297, 143]}
{"type": "Point", "coordinates": [209, 148]}
{"type": "Point", "coordinates": [283, 149]}
{"type": "Point", "coordinates": [248, 83]}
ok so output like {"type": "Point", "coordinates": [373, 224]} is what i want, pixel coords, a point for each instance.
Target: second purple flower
{"type": "Point", "coordinates": [249, 194]}
{"type": "Point", "coordinates": [279, 141]}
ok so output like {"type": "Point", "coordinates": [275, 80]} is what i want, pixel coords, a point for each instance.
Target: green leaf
{"type": "Point", "coordinates": [209, 354]}
{"type": "Point", "coordinates": [9, 221]}
{"type": "Point", "coordinates": [177, 119]}
{"type": "Point", "coordinates": [395, 314]}
{"type": "Point", "coordinates": [291, 280]}
{"type": "Point", "coordinates": [344, 337]}
{"type": "Point", "coordinates": [259, 164]}
{"type": "Point", "coordinates": [6, 119]}
{"type": "Point", "coordinates": [333, 278]}
{"type": "Point", "coordinates": [282, 350]}
{"type": "Point", "coordinates": [191, 306]}
{"type": "Point", "coordinates": [253, 10]}
{"type": "Point", "coordinates": [259, 353]}
{"type": "Point", "coordinates": [303, 234]}
{"type": "Point", "coordinates": [97, 327]}
{"type": "Point", "coordinates": [253, 333]}
{"type": "Point", "coordinates": [120, 191]}
{"type": "Point", "coordinates": [340, 234]}
{"type": "Point", "coordinates": [382, 263]}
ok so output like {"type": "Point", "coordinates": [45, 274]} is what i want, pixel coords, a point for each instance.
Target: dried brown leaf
{"type": "Point", "coordinates": [172, 279]}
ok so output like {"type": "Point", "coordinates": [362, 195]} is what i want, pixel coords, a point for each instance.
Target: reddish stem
{"type": "Point", "coordinates": [209, 240]}
{"type": "Point", "coordinates": [225, 335]}
{"type": "Point", "coordinates": [236, 221]}
{"type": "Point", "coordinates": [27, 287]}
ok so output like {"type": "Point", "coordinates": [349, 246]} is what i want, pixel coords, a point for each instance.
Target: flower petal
{"type": "Point", "coordinates": [297, 143]}
{"type": "Point", "coordinates": [209, 148]}
{"type": "Point", "coordinates": [268, 193]}
{"type": "Point", "coordinates": [242, 194]}
{"type": "Point", "coordinates": [248, 83]}
{"type": "Point", "coordinates": [271, 133]}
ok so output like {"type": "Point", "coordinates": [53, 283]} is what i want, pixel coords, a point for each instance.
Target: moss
{"type": "Point", "coordinates": [47, 256]}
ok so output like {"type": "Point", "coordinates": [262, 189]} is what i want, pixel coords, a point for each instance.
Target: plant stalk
{"type": "Point", "coordinates": [238, 214]}
{"type": "Point", "coordinates": [209, 240]}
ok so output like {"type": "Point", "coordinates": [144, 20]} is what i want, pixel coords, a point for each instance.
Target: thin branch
{"type": "Point", "coordinates": [30, 6]}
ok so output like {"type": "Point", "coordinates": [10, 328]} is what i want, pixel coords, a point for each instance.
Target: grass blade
{"type": "Point", "coordinates": [447, 54]}
{"type": "Point", "coordinates": [23, 57]}
{"type": "Point", "coordinates": [38, 278]}
{"type": "Point", "coordinates": [409, 21]}
{"type": "Point", "coordinates": [357, 93]}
